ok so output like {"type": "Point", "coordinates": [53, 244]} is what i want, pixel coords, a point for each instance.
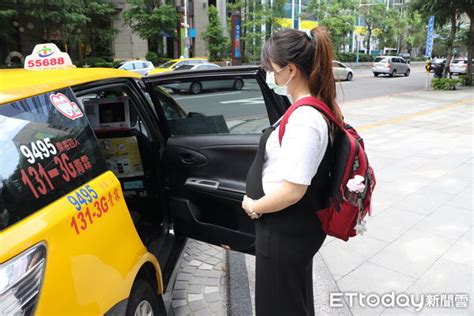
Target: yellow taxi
{"type": "Point", "coordinates": [176, 63]}
{"type": "Point", "coordinates": [103, 176]}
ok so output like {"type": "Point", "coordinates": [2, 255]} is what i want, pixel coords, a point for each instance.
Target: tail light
{"type": "Point", "coordinates": [20, 281]}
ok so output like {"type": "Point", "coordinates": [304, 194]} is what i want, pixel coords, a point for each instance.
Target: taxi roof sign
{"type": "Point", "coordinates": [47, 56]}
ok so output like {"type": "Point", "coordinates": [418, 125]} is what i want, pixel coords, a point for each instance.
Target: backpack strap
{"type": "Point", "coordinates": [311, 101]}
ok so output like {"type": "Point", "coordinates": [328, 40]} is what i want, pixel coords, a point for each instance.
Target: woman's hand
{"type": "Point", "coordinates": [247, 205]}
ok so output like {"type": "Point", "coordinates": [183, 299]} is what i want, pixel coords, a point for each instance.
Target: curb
{"type": "Point", "coordinates": [239, 301]}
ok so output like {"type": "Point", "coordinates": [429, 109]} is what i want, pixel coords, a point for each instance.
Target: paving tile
{"type": "Point", "coordinates": [182, 276]}
{"type": "Point", "coordinates": [179, 294]}
{"type": "Point", "coordinates": [178, 303]}
{"type": "Point", "coordinates": [181, 285]}
{"type": "Point", "coordinates": [444, 277]}
{"type": "Point", "coordinates": [211, 289]}
{"type": "Point", "coordinates": [195, 297]}
{"type": "Point", "coordinates": [342, 257]}
{"type": "Point", "coordinates": [195, 263]}
{"type": "Point", "coordinates": [182, 311]}
{"type": "Point", "coordinates": [195, 289]}
{"type": "Point", "coordinates": [461, 251]}
{"type": "Point", "coordinates": [212, 281]}
{"type": "Point", "coordinates": [205, 266]}
{"type": "Point", "coordinates": [391, 224]}
{"type": "Point", "coordinates": [448, 221]}
{"type": "Point", "coordinates": [412, 253]}
{"type": "Point", "coordinates": [213, 297]}
{"type": "Point", "coordinates": [197, 305]}
{"type": "Point", "coordinates": [204, 312]}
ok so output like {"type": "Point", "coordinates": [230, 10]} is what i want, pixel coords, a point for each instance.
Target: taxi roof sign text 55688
{"type": "Point", "coordinates": [47, 56]}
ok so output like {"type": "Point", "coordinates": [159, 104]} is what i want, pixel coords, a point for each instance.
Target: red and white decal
{"type": "Point", "coordinates": [67, 108]}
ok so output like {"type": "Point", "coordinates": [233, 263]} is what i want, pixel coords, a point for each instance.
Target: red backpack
{"type": "Point", "coordinates": [351, 180]}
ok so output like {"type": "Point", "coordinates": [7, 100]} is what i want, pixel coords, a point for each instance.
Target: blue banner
{"type": "Point", "coordinates": [429, 36]}
{"type": "Point", "coordinates": [236, 37]}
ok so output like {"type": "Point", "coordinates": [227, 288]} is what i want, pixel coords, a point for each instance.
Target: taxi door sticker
{"type": "Point", "coordinates": [65, 106]}
{"type": "Point", "coordinates": [90, 206]}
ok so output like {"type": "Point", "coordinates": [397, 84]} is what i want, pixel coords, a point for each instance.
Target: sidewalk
{"type": "Point", "coordinates": [419, 237]}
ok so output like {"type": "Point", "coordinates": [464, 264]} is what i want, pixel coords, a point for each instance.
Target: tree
{"type": "Point", "coordinates": [6, 29]}
{"type": "Point", "coordinates": [151, 20]}
{"type": "Point", "coordinates": [337, 16]}
{"type": "Point", "coordinates": [216, 43]}
{"type": "Point", "coordinates": [374, 16]}
{"type": "Point", "coordinates": [416, 31]}
{"type": "Point", "coordinates": [98, 30]}
{"type": "Point", "coordinates": [258, 21]}
{"type": "Point", "coordinates": [448, 11]}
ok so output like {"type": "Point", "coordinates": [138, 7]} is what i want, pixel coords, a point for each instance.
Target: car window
{"type": "Point", "coordinates": [184, 67]}
{"type": "Point", "coordinates": [380, 60]}
{"type": "Point", "coordinates": [48, 149]}
{"type": "Point", "coordinates": [233, 105]}
{"type": "Point", "coordinates": [335, 64]}
{"type": "Point", "coordinates": [128, 66]}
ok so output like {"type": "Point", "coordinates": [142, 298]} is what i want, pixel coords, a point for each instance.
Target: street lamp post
{"type": "Point", "coordinates": [186, 39]}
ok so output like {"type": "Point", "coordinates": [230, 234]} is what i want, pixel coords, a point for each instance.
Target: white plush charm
{"type": "Point", "coordinates": [360, 227]}
{"type": "Point", "coordinates": [356, 184]}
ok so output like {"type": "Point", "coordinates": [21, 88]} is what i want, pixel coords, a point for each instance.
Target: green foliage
{"type": "Point", "coordinates": [375, 17]}
{"type": "Point", "coordinates": [6, 19]}
{"type": "Point", "coordinates": [351, 57]}
{"type": "Point", "coordinates": [216, 43]}
{"type": "Point", "coordinates": [337, 16]}
{"type": "Point", "coordinates": [150, 20]}
{"type": "Point", "coordinates": [444, 83]}
{"type": "Point", "coordinates": [416, 31]}
{"type": "Point", "coordinates": [258, 22]}
{"type": "Point", "coordinates": [91, 62]}
{"type": "Point", "coordinates": [463, 80]}
{"type": "Point", "coordinates": [153, 57]}
{"type": "Point", "coordinates": [104, 65]}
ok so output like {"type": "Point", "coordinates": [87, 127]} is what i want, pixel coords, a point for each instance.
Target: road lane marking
{"type": "Point", "coordinates": [258, 100]}
{"type": "Point", "coordinates": [206, 95]}
{"type": "Point", "coordinates": [410, 116]}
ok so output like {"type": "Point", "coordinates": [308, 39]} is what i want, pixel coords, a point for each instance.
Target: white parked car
{"type": "Point", "coordinates": [341, 71]}
{"type": "Point", "coordinates": [141, 67]}
{"type": "Point", "coordinates": [458, 66]}
{"type": "Point", "coordinates": [390, 65]}
{"type": "Point", "coordinates": [197, 86]}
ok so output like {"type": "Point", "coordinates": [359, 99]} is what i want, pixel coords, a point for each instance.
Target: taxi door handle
{"type": "Point", "coordinates": [187, 158]}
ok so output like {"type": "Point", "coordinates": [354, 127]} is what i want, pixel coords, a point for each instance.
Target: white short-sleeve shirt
{"type": "Point", "coordinates": [301, 152]}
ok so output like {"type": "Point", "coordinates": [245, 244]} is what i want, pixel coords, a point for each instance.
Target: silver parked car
{"type": "Point", "coordinates": [141, 67]}
{"type": "Point", "coordinates": [390, 65]}
{"type": "Point", "coordinates": [341, 71]}
{"type": "Point", "coordinates": [196, 86]}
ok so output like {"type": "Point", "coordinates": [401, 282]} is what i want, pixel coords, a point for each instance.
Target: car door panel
{"type": "Point", "coordinates": [207, 195]}
{"type": "Point", "coordinates": [206, 174]}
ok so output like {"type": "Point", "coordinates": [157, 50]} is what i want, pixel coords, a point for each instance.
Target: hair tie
{"type": "Point", "coordinates": [309, 34]}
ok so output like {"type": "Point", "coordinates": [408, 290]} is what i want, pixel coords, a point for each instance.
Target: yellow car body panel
{"type": "Point", "coordinates": [171, 67]}
{"type": "Point", "coordinates": [17, 84]}
{"type": "Point", "coordinates": [87, 270]}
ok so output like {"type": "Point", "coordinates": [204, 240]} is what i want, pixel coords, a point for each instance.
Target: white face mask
{"type": "Point", "coordinates": [270, 80]}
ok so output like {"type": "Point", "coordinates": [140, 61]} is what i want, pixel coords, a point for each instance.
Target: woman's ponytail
{"type": "Point", "coordinates": [321, 79]}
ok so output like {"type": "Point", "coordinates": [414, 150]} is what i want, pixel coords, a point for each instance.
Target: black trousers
{"type": "Point", "coordinates": [284, 265]}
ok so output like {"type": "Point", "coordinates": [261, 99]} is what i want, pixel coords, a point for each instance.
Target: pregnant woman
{"type": "Point", "coordinates": [287, 182]}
